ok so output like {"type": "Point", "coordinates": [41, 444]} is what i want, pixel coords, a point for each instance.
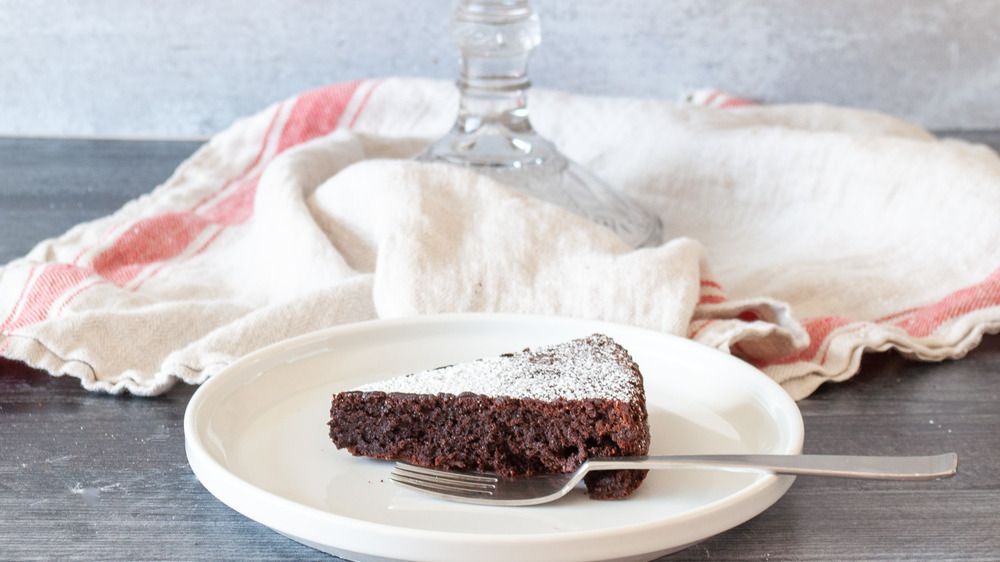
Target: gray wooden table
{"type": "Point", "coordinates": [97, 477]}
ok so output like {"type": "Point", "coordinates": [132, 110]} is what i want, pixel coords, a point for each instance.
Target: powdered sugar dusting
{"type": "Point", "coordinates": [592, 367]}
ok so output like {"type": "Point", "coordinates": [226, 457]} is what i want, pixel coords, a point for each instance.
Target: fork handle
{"type": "Point", "coordinates": [844, 466]}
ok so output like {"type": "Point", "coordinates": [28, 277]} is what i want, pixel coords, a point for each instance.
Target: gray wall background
{"type": "Point", "coordinates": [179, 68]}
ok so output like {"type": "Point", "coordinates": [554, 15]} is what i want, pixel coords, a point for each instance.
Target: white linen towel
{"type": "Point", "coordinates": [796, 237]}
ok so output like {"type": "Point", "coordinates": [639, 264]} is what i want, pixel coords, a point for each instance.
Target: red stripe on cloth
{"type": "Point", "coordinates": [361, 106]}
{"type": "Point", "coordinates": [158, 266]}
{"type": "Point", "coordinates": [924, 321]}
{"type": "Point", "coordinates": [709, 283]}
{"type": "Point", "coordinates": [54, 281]}
{"type": "Point", "coordinates": [734, 102]}
{"type": "Point", "coordinates": [710, 292]}
{"type": "Point", "coordinates": [919, 322]}
{"type": "Point", "coordinates": [819, 330]}
{"type": "Point", "coordinates": [703, 325]}
{"type": "Point", "coordinates": [151, 239]}
{"type": "Point", "coordinates": [719, 99]}
{"type": "Point", "coordinates": [317, 113]}
{"type": "Point", "coordinates": [711, 299]}
{"type": "Point", "coordinates": [313, 114]}
{"type": "Point", "coordinates": [230, 213]}
{"type": "Point", "coordinates": [105, 236]}
{"type": "Point", "coordinates": [711, 97]}
{"type": "Point", "coordinates": [20, 299]}
{"type": "Point", "coordinates": [237, 207]}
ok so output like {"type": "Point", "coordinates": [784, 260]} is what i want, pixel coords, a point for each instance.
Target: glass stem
{"type": "Point", "coordinates": [493, 135]}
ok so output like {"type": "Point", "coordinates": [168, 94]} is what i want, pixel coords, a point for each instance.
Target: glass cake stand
{"type": "Point", "coordinates": [493, 135]}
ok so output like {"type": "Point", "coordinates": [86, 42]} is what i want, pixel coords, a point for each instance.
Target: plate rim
{"type": "Point", "coordinates": [210, 471]}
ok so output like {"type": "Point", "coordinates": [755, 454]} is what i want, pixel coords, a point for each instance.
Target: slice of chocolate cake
{"type": "Point", "coordinates": [538, 411]}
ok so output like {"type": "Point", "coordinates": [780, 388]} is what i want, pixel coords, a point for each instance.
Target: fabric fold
{"type": "Point", "coordinates": [797, 238]}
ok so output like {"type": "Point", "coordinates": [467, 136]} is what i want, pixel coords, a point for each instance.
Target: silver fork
{"type": "Point", "coordinates": [489, 489]}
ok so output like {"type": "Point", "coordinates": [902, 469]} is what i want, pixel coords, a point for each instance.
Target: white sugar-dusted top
{"type": "Point", "coordinates": [587, 368]}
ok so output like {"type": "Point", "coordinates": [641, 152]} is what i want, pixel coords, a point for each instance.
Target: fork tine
{"type": "Point", "coordinates": [485, 488]}
{"type": "Point", "coordinates": [450, 488]}
{"type": "Point", "coordinates": [419, 471]}
{"type": "Point", "coordinates": [442, 484]}
{"type": "Point", "coordinates": [474, 496]}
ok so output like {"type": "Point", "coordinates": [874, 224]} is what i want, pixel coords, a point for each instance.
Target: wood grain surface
{"type": "Point", "coordinates": [95, 477]}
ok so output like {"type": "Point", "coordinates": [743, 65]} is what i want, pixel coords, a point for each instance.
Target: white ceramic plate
{"type": "Point", "coordinates": [256, 437]}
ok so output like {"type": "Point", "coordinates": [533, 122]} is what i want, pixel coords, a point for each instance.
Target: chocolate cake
{"type": "Point", "coordinates": [537, 411]}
